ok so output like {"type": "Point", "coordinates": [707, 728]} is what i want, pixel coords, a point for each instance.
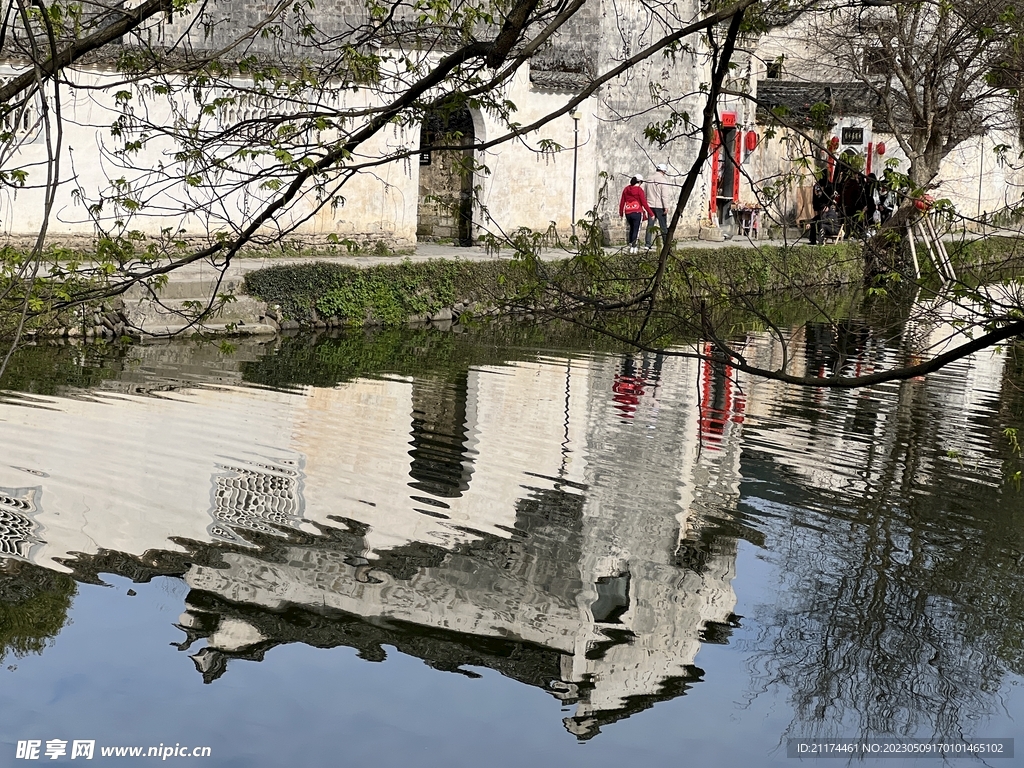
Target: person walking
{"type": "Point", "coordinates": [658, 192]}
{"type": "Point", "coordinates": [633, 205]}
{"type": "Point", "coordinates": [887, 187]}
{"type": "Point", "coordinates": [821, 198]}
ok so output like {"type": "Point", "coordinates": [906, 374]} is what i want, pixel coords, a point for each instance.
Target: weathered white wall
{"type": "Point", "coordinates": [971, 176]}
{"type": "Point", "coordinates": [528, 186]}
{"type": "Point", "coordinates": [380, 203]}
{"type": "Point", "coordinates": [627, 106]}
{"type": "Point", "coordinates": [529, 182]}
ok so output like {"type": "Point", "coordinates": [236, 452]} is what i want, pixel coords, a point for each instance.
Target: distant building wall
{"type": "Point", "coordinates": [528, 181]}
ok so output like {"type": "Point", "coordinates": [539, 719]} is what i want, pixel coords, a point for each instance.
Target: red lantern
{"type": "Point", "coordinates": [833, 144]}
{"type": "Point", "coordinates": [751, 141]}
{"type": "Point", "coordinates": [880, 148]}
{"type": "Point", "coordinates": [924, 202]}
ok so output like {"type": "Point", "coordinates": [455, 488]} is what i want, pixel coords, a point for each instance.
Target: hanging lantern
{"type": "Point", "coordinates": [751, 141]}
{"type": "Point", "coordinates": [833, 144]}
{"type": "Point", "coordinates": [924, 203]}
{"type": "Point", "coordinates": [880, 148]}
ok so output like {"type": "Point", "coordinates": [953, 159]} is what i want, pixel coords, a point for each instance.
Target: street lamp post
{"type": "Point", "coordinates": [575, 159]}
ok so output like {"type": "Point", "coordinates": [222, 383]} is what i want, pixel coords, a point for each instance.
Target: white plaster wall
{"type": "Point", "coordinates": [971, 176]}
{"type": "Point", "coordinates": [527, 186]}
{"type": "Point", "coordinates": [627, 106]}
{"type": "Point", "coordinates": [378, 203]}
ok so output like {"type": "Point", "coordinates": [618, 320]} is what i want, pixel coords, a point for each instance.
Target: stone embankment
{"type": "Point", "coordinates": [192, 303]}
{"type": "Point", "coordinates": [218, 297]}
{"type": "Point", "coordinates": [320, 294]}
{"type": "Point", "coordinates": [436, 285]}
{"type": "Point", "coordinates": [176, 310]}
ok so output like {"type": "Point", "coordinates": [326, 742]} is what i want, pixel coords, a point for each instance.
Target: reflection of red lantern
{"type": "Point", "coordinates": [628, 391]}
{"type": "Point", "coordinates": [751, 141]}
{"type": "Point", "coordinates": [833, 143]}
{"type": "Point", "coordinates": [880, 148]}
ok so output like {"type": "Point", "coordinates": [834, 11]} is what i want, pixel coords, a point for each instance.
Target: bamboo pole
{"type": "Point", "coordinates": [913, 252]}
{"type": "Point", "coordinates": [940, 246]}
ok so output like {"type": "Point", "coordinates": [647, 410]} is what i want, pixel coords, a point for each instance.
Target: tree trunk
{"type": "Point", "coordinates": [888, 251]}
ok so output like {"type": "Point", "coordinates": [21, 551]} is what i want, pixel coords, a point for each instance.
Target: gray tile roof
{"type": "Point", "coordinates": [797, 97]}
{"type": "Point", "coordinates": [558, 69]}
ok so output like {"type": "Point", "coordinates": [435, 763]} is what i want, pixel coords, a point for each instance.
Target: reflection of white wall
{"type": "Point", "coordinates": [853, 465]}
{"type": "Point", "coordinates": [671, 610]}
{"type": "Point", "coordinates": [646, 489]}
{"type": "Point", "coordinates": [126, 473]}
{"type": "Point", "coordinates": [521, 425]}
{"type": "Point", "coordinates": [356, 439]}
{"type": "Point", "coordinates": [486, 603]}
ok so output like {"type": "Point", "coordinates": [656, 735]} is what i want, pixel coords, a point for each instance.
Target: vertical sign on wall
{"type": "Point", "coordinates": [715, 146]}
{"type": "Point", "coordinates": [736, 172]}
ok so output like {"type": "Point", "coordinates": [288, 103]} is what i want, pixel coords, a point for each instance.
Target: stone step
{"type": "Point", "coordinates": [244, 314]}
{"type": "Point", "coordinates": [240, 328]}
{"type": "Point", "coordinates": [198, 288]}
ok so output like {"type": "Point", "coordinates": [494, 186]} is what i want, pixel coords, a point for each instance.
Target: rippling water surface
{"type": "Point", "coordinates": [427, 549]}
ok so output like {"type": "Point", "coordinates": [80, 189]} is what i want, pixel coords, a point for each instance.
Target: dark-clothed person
{"type": "Point", "coordinates": [821, 198]}
{"type": "Point", "coordinates": [659, 198]}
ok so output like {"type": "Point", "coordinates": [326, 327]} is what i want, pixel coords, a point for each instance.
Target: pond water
{"type": "Point", "coordinates": [498, 549]}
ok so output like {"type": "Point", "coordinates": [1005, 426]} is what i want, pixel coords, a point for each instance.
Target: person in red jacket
{"type": "Point", "coordinates": [633, 205]}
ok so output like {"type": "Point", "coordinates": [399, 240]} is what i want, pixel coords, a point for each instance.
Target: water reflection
{"type": "Point", "coordinates": [880, 623]}
{"type": "Point", "coordinates": [507, 549]}
{"type": "Point", "coordinates": [570, 521]}
{"type": "Point", "coordinates": [34, 605]}
{"type": "Point", "coordinates": [441, 464]}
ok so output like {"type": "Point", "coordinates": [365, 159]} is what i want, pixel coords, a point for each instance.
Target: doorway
{"type": "Point", "coordinates": [445, 208]}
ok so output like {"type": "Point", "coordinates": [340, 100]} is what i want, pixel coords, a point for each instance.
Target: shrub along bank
{"type": "Point", "coordinates": [390, 295]}
{"type": "Point", "coordinates": [384, 295]}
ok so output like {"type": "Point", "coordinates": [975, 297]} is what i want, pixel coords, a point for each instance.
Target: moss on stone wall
{"type": "Point", "coordinates": [387, 294]}
{"type": "Point", "coordinates": [987, 251]}
{"type": "Point", "coordinates": [391, 294]}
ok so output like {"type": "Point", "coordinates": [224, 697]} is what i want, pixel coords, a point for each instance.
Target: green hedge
{"type": "Point", "coordinates": [771, 268]}
{"type": "Point", "coordinates": [987, 250]}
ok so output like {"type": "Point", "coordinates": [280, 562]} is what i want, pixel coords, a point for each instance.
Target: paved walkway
{"type": "Point", "coordinates": [423, 252]}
